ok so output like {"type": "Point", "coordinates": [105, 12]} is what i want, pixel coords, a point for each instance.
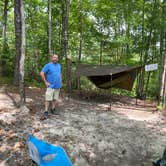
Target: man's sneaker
{"type": "Point", "coordinates": [54, 111]}
{"type": "Point", "coordinates": [44, 116]}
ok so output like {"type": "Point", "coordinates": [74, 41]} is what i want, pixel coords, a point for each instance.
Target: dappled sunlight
{"type": "Point", "coordinates": [8, 115]}
{"type": "Point", "coordinates": [137, 114]}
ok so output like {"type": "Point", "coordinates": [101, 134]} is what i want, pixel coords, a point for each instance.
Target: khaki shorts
{"type": "Point", "coordinates": [52, 94]}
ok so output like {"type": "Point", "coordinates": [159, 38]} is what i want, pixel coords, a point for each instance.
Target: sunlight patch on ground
{"type": "Point", "coordinates": [138, 115]}
{"type": "Point", "coordinates": [8, 117]}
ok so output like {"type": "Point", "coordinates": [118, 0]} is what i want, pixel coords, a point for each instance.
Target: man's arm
{"type": "Point", "coordinates": [61, 77]}
{"type": "Point", "coordinates": [42, 74]}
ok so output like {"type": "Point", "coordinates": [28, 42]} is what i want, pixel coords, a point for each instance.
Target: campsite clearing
{"type": "Point", "coordinates": [91, 134]}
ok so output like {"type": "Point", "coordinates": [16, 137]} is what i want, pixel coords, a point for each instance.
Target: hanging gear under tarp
{"type": "Point", "coordinates": [106, 76]}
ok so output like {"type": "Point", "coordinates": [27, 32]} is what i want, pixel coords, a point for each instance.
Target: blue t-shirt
{"type": "Point", "coordinates": [53, 74]}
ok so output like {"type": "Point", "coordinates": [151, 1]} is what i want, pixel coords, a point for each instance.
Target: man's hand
{"type": "Point", "coordinates": [47, 84]}
{"type": "Point", "coordinates": [42, 74]}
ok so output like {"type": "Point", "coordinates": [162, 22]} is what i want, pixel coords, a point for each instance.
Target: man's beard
{"type": "Point", "coordinates": [54, 61]}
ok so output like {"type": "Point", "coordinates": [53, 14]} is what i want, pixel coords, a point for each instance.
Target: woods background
{"type": "Point", "coordinates": [130, 32]}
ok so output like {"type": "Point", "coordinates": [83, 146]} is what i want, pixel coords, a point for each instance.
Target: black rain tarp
{"type": "Point", "coordinates": [106, 76]}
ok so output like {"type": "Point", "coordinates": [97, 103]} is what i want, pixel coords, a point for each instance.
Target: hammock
{"type": "Point", "coordinates": [107, 76]}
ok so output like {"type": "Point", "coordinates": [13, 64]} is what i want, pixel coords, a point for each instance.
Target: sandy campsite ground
{"type": "Point", "coordinates": [91, 134]}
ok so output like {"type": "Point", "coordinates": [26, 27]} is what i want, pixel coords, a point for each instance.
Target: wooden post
{"type": "Point", "coordinates": [111, 94]}
{"type": "Point", "coordinates": [136, 86]}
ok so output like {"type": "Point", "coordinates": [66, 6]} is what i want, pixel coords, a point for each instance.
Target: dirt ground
{"type": "Point", "coordinates": [91, 133]}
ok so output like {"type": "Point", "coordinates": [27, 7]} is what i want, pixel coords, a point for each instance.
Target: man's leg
{"type": "Point", "coordinates": [47, 104]}
{"type": "Point", "coordinates": [54, 109]}
{"type": "Point", "coordinates": [55, 100]}
{"type": "Point", "coordinates": [45, 112]}
{"type": "Point", "coordinates": [54, 104]}
{"type": "Point", "coordinates": [48, 99]}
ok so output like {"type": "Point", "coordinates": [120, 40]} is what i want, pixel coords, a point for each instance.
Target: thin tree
{"type": "Point", "coordinates": [19, 20]}
{"type": "Point", "coordinates": [162, 80]}
{"type": "Point", "coordinates": [66, 49]}
{"type": "Point", "coordinates": [141, 78]}
{"type": "Point", "coordinates": [50, 27]}
{"type": "Point", "coordinates": [4, 33]}
{"type": "Point", "coordinates": [61, 32]}
{"type": "Point", "coordinates": [80, 29]}
{"type": "Point", "coordinates": [5, 21]}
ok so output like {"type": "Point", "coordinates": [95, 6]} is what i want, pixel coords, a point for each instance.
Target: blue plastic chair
{"type": "Point", "coordinates": [45, 154]}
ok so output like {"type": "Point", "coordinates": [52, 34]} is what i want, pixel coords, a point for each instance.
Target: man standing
{"type": "Point", "coordinates": [51, 75]}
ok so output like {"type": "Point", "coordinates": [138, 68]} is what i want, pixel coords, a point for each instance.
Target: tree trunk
{"type": "Point", "coordinates": [17, 21]}
{"type": "Point", "coordinates": [162, 98]}
{"type": "Point", "coordinates": [4, 35]}
{"type": "Point", "coordinates": [20, 46]}
{"type": "Point", "coordinates": [35, 63]}
{"type": "Point", "coordinates": [61, 34]}
{"type": "Point", "coordinates": [127, 15]}
{"type": "Point", "coordinates": [162, 76]}
{"type": "Point", "coordinates": [66, 49]}
{"type": "Point", "coordinates": [141, 77]}
{"type": "Point", "coordinates": [5, 22]}
{"type": "Point", "coordinates": [161, 57]}
{"type": "Point", "coordinates": [81, 38]}
{"type": "Point", "coordinates": [101, 51]}
{"type": "Point", "coordinates": [142, 81]}
{"type": "Point", "coordinates": [147, 83]}
{"type": "Point", "coordinates": [50, 27]}
{"type": "Point", "coordinates": [80, 50]}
